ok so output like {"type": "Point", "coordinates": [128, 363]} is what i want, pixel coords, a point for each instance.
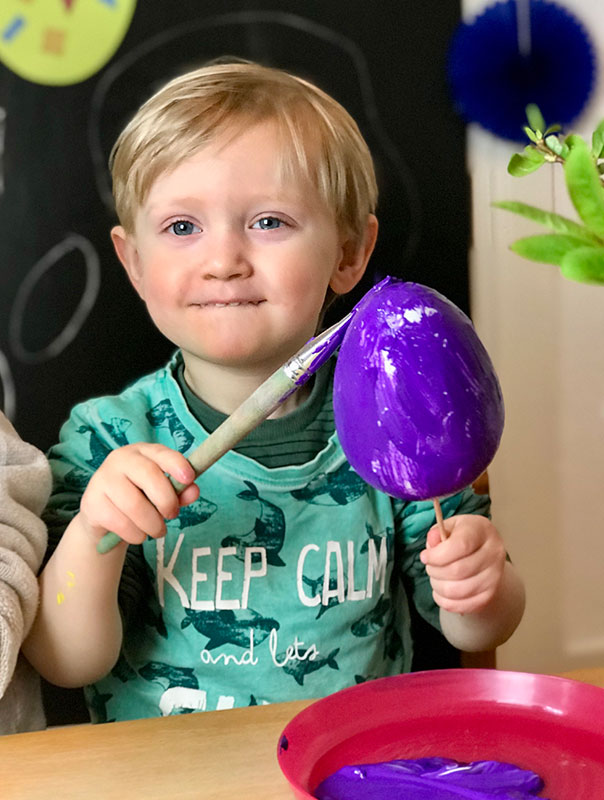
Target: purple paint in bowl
{"type": "Point", "coordinates": [431, 778]}
{"type": "Point", "coordinates": [418, 407]}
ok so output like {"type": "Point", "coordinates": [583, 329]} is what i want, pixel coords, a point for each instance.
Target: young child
{"type": "Point", "coordinates": [24, 489]}
{"type": "Point", "coordinates": [246, 198]}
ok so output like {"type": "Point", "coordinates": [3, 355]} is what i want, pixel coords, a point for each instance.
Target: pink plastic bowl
{"type": "Point", "coordinates": [551, 725]}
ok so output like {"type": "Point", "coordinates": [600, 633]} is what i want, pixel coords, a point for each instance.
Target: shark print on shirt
{"type": "Point", "coordinates": [230, 627]}
{"type": "Point", "coordinates": [97, 704]}
{"type": "Point", "coordinates": [301, 669]}
{"type": "Point", "coordinates": [194, 514]}
{"type": "Point", "coordinates": [162, 415]}
{"type": "Point", "coordinates": [334, 488]}
{"type": "Point", "coordinates": [373, 621]}
{"type": "Point", "coordinates": [268, 531]}
{"type": "Point", "coordinates": [117, 430]}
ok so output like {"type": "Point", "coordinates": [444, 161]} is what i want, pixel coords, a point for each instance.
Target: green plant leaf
{"type": "Point", "coordinates": [535, 117]}
{"type": "Point", "coordinates": [574, 139]}
{"type": "Point", "coordinates": [549, 248]}
{"type": "Point", "coordinates": [584, 185]}
{"type": "Point", "coordinates": [533, 154]}
{"type": "Point", "coordinates": [597, 141]}
{"type": "Point", "coordinates": [521, 165]}
{"type": "Point", "coordinates": [555, 145]}
{"type": "Point", "coordinates": [556, 222]}
{"type": "Point", "coordinates": [585, 265]}
{"type": "Point", "coordinates": [552, 129]}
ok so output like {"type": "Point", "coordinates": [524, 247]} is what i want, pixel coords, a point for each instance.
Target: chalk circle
{"type": "Point", "coordinates": [64, 42]}
{"type": "Point", "coordinates": [86, 302]}
{"type": "Point", "coordinates": [7, 388]}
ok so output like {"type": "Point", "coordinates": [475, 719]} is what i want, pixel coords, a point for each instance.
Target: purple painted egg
{"type": "Point", "coordinates": [417, 403]}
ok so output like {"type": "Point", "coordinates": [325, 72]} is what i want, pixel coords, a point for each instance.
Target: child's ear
{"type": "Point", "coordinates": [355, 255]}
{"type": "Point", "coordinates": [127, 253]}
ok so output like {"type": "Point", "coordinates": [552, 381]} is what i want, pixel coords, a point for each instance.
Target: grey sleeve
{"type": "Point", "coordinates": [24, 490]}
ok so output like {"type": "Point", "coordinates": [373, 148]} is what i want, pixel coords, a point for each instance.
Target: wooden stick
{"type": "Point", "coordinates": [439, 520]}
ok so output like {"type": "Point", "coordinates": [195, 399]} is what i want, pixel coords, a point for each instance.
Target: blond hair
{"type": "Point", "coordinates": [320, 139]}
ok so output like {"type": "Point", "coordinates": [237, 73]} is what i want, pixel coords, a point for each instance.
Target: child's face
{"type": "Point", "coordinates": [233, 263]}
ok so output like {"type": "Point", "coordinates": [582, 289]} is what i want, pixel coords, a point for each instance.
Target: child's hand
{"type": "Point", "coordinates": [466, 569]}
{"type": "Point", "coordinates": [131, 495]}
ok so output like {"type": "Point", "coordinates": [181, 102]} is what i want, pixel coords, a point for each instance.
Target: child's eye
{"type": "Point", "coordinates": [268, 223]}
{"type": "Point", "coordinates": [183, 227]}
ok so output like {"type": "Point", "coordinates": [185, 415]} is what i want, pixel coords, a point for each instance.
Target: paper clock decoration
{"type": "Point", "coordinates": [519, 52]}
{"type": "Point", "coordinates": [62, 42]}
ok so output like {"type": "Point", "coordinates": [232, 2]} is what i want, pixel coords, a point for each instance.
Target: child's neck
{"type": "Point", "coordinates": [225, 388]}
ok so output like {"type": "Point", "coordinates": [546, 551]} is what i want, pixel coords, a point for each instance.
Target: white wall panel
{"type": "Point", "coordinates": [546, 337]}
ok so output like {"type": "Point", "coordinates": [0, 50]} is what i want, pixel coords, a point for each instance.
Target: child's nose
{"type": "Point", "coordinates": [225, 256]}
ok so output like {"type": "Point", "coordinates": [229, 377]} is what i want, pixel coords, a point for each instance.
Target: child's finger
{"type": "Point", "coordinates": [464, 588]}
{"type": "Point", "coordinates": [132, 495]}
{"type": "Point", "coordinates": [146, 505]}
{"type": "Point", "coordinates": [433, 538]}
{"type": "Point", "coordinates": [162, 493]}
{"type": "Point", "coordinates": [102, 516]}
{"type": "Point", "coordinates": [144, 467]}
{"type": "Point", "coordinates": [464, 540]}
{"type": "Point", "coordinates": [468, 605]}
{"type": "Point", "coordinates": [189, 495]}
{"type": "Point", "coordinates": [158, 490]}
{"type": "Point", "coordinates": [462, 568]}
{"type": "Point", "coordinates": [169, 461]}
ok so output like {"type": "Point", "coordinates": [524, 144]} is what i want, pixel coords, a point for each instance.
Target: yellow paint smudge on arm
{"type": "Point", "coordinates": [70, 585]}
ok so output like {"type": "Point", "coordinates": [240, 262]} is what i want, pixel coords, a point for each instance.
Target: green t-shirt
{"type": "Point", "coordinates": [276, 584]}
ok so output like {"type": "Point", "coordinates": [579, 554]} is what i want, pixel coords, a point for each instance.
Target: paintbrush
{"type": "Point", "coordinates": [258, 406]}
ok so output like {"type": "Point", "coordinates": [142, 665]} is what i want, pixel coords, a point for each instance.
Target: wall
{"type": "Point", "coordinates": [546, 337]}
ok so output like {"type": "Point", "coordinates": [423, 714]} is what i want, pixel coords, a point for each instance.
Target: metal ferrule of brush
{"type": "Point", "coordinates": [295, 369]}
{"type": "Point", "coordinates": [315, 352]}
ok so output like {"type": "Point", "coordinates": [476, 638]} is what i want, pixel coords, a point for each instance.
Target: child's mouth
{"type": "Point", "coordinates": [230, 304]}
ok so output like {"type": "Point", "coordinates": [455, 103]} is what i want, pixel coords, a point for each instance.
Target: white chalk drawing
{"type": "Point", "coordinates": [89, 295]}
{"type": "Point", "coordinates": [243, 18]}
{"type": "Point", "coordinates": [2, 140]}
{"type": "Point", "coordinates": [7, 388]}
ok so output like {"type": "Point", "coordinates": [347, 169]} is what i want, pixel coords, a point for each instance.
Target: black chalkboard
{"type": "Point", "coordinates": [71, 327]}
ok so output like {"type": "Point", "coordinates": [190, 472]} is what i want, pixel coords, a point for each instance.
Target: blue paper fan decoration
{"type": "Point", "coordinates": [516, 53]}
